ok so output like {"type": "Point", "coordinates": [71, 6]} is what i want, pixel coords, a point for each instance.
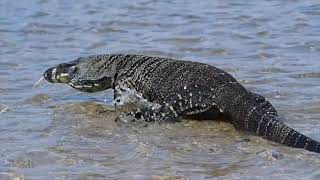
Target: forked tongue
{"type": "Point", "coordinates": [38, 82]}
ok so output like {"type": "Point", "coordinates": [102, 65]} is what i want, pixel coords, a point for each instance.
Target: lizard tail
{"type": "Point", "coordinates": [274, 130]}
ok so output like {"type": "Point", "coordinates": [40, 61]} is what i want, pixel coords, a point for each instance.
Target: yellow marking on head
{"type": "Point", "coordinates": [64, 75]}
{"type": "Point", "coordinates": [78, 87]}
{"type": "Point", "coordinates": [64, 79]}
{"type": "Point", "coordinates": [87, 86]}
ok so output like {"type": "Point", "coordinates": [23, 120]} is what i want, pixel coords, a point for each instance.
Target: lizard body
{"type": "Point", "coordinates": [175, 88]}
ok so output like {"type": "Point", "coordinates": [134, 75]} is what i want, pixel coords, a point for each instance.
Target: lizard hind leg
{"type": "Point", "coordinates": [211, 114]}
{"type": "Point", "coordinates": [264, 104]}
{"type": "Point", "coordinates": [192, 102]}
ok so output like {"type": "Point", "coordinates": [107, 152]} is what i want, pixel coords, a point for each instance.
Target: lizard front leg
{"type": "Point", "coordinates": [124, 95]}
{"type": "Point", "coordinates": [134, 104]}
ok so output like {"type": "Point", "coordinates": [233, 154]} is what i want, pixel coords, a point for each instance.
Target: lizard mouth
{"type": "Point", "coordinates": [91, 85]}
{"type": "Point", "coordinates": [53, 76]}
{"type": "Point", "coordinates": [68, 74]}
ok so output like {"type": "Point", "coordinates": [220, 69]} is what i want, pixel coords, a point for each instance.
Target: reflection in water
{"type": "Point", "coordinates": [54, 131]}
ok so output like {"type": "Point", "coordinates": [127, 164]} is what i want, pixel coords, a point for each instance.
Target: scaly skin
{"type": "Point", "coordinates": [179, 88]}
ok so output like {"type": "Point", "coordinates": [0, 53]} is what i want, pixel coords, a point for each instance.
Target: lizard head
{"type": "Point", "coordinates": [88, 74]}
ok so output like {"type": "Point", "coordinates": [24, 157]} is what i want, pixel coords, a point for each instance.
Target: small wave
{"type": "Point", "coordinates": [308, 75]}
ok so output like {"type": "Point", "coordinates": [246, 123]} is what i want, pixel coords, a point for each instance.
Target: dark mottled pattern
{"type": "Point", "coordinates": [187, 88]}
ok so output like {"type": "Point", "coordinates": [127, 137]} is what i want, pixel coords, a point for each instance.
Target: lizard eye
{"type": "Point", "coordinates": [73, 69]}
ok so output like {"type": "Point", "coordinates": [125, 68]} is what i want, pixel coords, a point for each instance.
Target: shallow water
{"type": "Point", "coordinates": [55, 132]}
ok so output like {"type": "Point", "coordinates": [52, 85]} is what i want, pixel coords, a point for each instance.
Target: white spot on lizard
{"type": "Point", "coordinates": [175, 113]}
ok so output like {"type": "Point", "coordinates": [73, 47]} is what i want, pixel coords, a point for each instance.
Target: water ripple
{"type": "Point", "coordinates": [271, 47]}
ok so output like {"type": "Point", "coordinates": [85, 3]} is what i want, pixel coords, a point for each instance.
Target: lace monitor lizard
{"type": "Point", "coordinates": [175, 88]}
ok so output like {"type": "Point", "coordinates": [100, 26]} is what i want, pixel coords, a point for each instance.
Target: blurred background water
{"type": "Point", "coordinates": [54, 132]}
